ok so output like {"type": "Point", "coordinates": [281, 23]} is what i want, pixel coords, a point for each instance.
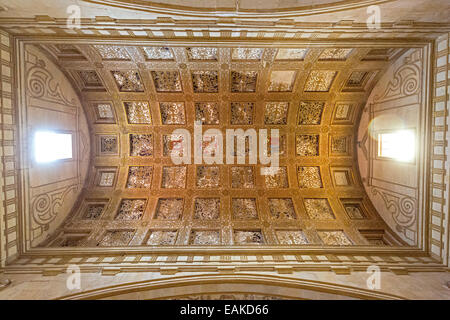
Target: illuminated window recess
{"type": "Point", "coordinates": [50, 146]}
{"type": "Point", "coordinates": [399, 145]}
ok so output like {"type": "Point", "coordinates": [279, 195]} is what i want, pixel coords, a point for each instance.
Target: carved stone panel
{"type": "Point", "coordinates": [242, 113]}
{"type": "Point", "coordinates": [140, 177]}
{"type": "Point", "coordinates": [243, 81]}
{"type": "Point", "coordinates": [246, 53]}
{"type": "Point", "coordinates": [128, 81]}
{"type": "Point", "coordinates": [275, 113]}
{"type": "Point", "coordinates": [309, 177]}
{"type": "Point", "coordinates": [307, 145]}
{"type": "Point", "coordinates": [282, 208]}
{"type": "Point", "coordinates": [131, 209]}
{"type": "Point", "coordinates": [248, 237]}
{"type": "Point", "coordinates": [318, 209]}
{"type": "Point", "coordinates": [242, 177]}
{"type": "Point", "coordinates": [172, 112]}
{"type": "Point", "coordinates": [207, 208]}
{"type": "Point", "coordinates": [207, 112]}
{"type": "Point", "coordinates": [162, 237]}
{"type": "Point", "coordinates": [138, 112]}
{"type": "Point", "coordinates": [320, 80]}
{"type": "Point", "coordinates": [93, 211]}
{"type": "Point", "coordinates": [310, 112]}
{"type": "Point", "coordinates": [291, 237]}
{"type": "Point", "coordinates": [200, 53]}
{"type": "Point", "coordinates": [278, 179]}
{"type": "Point", "coordinates": [111, 52]}
{"type": "Point", "coordinates": [205, 81]}
{"type": "Point", "coordinates": [208, 177]}
{"type": "Point", "coordinates": [167, 81]}
{"type": "Point", "coordinates": [205, 237]}
{"type": "Point", "coordinates": [169, 209]}
{"type": "Point", "coordinates": [158, 53]}
{"type": "Point", "coordinates": [141, 145]}
{"type": "Point", "coordinates": [244, 208]}
{"type": "Point", "coordinates": [174, 177]}
{"type": "Point", "coordinates": [334, 238]}
{"type": "Point", "coordinates": [116, 238]}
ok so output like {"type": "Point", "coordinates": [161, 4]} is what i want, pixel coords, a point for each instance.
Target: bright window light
{"type": "Point", "coordinates": [51, 146]}
{"type": "Point", "coordinates": [399, 145]}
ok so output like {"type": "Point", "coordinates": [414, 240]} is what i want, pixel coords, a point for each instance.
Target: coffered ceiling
{"type": "Point", "coordinates": [135, 96]}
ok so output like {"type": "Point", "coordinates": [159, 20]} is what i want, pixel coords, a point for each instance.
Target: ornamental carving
{"type": "Point", "coordinates": [318, 209]}
{"type": "Point", "coordinates": [174, 177]}
{"type": "Point", "coordinates": [139, 177]}
{"type": "Point", "coordinates": [243, 81]}
{"type": "Point", "coordinates": [45, 207]}
{"type": "Point", "coordinates": [320, 80]}
{"type": "Point", "coordinates": [169, 209]}
{"type": "Point", "coordinates": [167, 81]}
{"type": "Point", "coordinates": [131, 209]}
{"type": "Point", "coordinates": [208, 176]}
{"type": "Point", "coordinates": [207, 112]}
{"type": "Point", "coordinates": [310, 112]}
{"type": "Point", "coordinates": [276, 113]}
{"type": "Point", "coordinates": [402, 208]}
{"type": "Point", "coordinates": [248, 237]}
{"type": "Point", "coordinates": [282, 208]}
{"type": "Point", "coordinates": [242, 113]}
{"type": "Point", "coordinates": [207, 208]}
{"type": "Point", "coordinates": [111, 52]}
{"type": "Point", "coordinates": [41, 84]}
{"type": "Point", "coordinates": [242, 177]}
{"type": "Point", "coordinates": [199, 53]}
{"type": "Point", "coordinates": [128, 81]}
{"type": "Point", "coordinates": [334, 238]}
{"type": "Point", "coordinates": [205, 237]}
{"type": "Point", "coordinates": [141, 145]}
{"type": "Point", "coordinates": [291, 237]}
{"type": "Point", "coordinates": [246, 53]}
{"type": "Point", "coordinates": [158, 53]}
{"type": "Point", "coordinates": [215, 204]}
{"type": "Point", "coordinates": [244, 208]}
{"type": "Point", "coordinates": [138, 112]}
{"type": "Point", "coordinates": [307, 145]}
{"type": "Point", "coordinates": [162, 238]}
{"type": "Point", "coordinates": [278, 179]}
{"type": "Point", "coordinates": [309, 177]}
{"type": "Point", "coordinates": [172, 112]}
{"type": "Point", "coordinates": [405, 82]}
{"type": "Point", "coordinates": [93, 211]}
{"type": "Point", "coordinates": [116, 238]}
{"type": "Point", "coordinates": [205, 81]}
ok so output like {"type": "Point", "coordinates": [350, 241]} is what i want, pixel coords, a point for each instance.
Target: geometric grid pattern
{"type": "Point", "coordinates": [225, 204]}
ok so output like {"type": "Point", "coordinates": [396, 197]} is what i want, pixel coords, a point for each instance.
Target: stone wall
{"type": "Point", "coordinates": [8, 151]}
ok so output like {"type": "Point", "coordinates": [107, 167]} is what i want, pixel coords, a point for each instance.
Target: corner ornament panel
{"type": "Point", "coordinates": [41, 85]}
{"type": "Point", "coordinates": [406, 81]}
{"type": "Point", "coordinates": [45, 206]}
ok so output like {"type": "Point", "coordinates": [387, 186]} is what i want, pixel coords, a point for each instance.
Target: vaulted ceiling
{"type": "Point", "coordinates": [135, 96]}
